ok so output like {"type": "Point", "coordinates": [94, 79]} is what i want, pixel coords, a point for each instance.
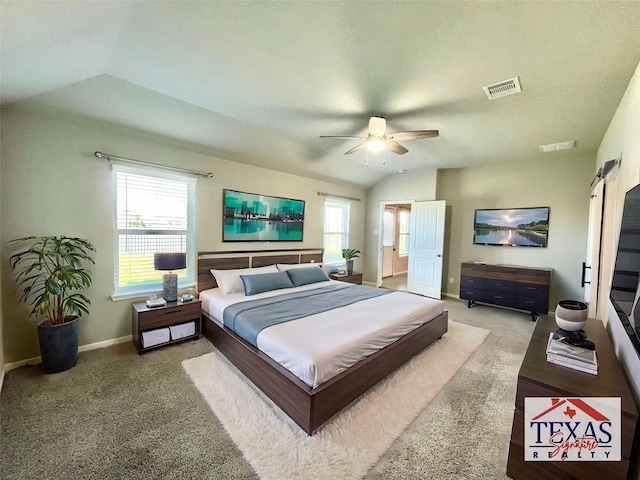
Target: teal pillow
{"type": "Point", "coordinates": [264, 282]}
{"type": "Point", "coordinates": [304, 276]}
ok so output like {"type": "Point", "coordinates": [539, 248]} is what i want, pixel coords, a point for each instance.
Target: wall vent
{"type": "Point", "coordinates": [502, 89]}
{"type": "Point", "coordinates": [554, 147]}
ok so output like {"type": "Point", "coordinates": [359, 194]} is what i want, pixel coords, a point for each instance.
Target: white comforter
{"type": "Point", "coordinates": [318, 347]}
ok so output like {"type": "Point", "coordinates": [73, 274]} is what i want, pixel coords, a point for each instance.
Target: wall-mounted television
{"type": "Point", "coordinates": [625, 284]}
{"type": "Point", "coordinates": [251, 217]}
{"type": "Point", "coordinates": [513, 227]}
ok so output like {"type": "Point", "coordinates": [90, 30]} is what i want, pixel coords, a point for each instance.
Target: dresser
{"type": "Point", "coordinates": [523, 288]}
{"type": "Point", "coordinates": [538, 378]}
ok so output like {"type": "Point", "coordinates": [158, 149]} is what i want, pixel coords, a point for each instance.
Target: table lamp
{"type": "Point", "coordinates": [170, 262]}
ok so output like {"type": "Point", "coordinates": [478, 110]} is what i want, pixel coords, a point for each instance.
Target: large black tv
{"type": "Point", "coordinates": [251, 217]}
{"type": "Point", "coordinates": [625, 284]}
{"type": "Point", "coordinates": [512, 227]}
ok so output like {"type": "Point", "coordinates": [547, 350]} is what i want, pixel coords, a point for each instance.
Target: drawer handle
{"type": "Point", "coordinates": [528, 301]}
{"type": "Point", "coordinates": [531, 288]}
{"type": "Point", "coordinates": [499, 284]}
{"type": "Point", "coordinates": [472, 281]}
{"type": "Point", "coordinates": [173, 312]}
{"type": "Point", "coordinates": [497, 296]}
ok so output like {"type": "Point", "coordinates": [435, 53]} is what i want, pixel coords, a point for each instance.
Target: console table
{"type": "Point", "coordinates": [523, 288]}
{"type": "Point", "coordinates": [538, 378]}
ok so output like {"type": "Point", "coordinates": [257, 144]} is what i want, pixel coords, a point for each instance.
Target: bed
{"type": "Point", "coordinates": [311, 401]}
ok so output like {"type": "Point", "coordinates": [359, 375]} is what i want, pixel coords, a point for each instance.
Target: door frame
{"type": "Point", "coordinates": [383, 204]}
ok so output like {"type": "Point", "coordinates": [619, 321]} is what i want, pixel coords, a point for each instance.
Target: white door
{"type": "Point", "coordinates": [591, 267]}
{"type": "Point", "coordinates": [426, 241]}
{"type": "Point", "coordinates": [388, 241]}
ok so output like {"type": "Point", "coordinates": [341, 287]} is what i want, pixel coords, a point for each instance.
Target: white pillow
{"type": "Point", "coordinates": [229, 281]}
{"type": "Point", "coordinates": [289, 266]}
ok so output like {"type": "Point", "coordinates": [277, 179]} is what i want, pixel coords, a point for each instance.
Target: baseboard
{"type": "Point", "coordinates": [369, 284]}
{"type": "Point", "coordinates": [81, 348]}
{"type": "Point", "coordinates": [451, 295]}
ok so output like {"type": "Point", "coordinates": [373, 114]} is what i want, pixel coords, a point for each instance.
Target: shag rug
{"type": "Point", "coordinates": [350, 443]}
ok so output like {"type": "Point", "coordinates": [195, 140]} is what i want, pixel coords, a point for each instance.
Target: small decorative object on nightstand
{"type": "Point", "coordinates": [170, 261]}
{"type": "Point", "coordinates": [159, 326]}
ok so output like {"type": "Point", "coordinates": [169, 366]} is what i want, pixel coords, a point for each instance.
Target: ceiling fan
{"type": "Point", "coordinates": [378, 141]}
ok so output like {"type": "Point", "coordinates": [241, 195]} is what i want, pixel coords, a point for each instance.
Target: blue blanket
{"type": "Point", "coordinates": [249, 318]}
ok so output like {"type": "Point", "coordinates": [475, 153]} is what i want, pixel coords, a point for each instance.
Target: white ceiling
{"type": "Point", "coordinates": [258, 82]}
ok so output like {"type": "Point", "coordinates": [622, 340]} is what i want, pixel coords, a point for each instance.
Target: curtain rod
{"type": "Point", "coordinates": [149, 164]}
{"type": "Point", "coordinates": [324, 194]}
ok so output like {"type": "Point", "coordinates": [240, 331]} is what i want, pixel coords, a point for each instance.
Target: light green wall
{"type": "Point", "coordinates": [52, 184]}
{"type": "Point", "coordinates": [622, 140]}
{"type": "Point", "coordinates": [563, 184]}
{"type": "Point", "coordinates": [419, 185]}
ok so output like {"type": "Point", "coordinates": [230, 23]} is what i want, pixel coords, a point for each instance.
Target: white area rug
{"type": "Point", "coordinates": [350, 443]}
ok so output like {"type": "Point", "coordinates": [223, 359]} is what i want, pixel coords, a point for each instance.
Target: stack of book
{"type": "Point", "coordinates": [561, 352]}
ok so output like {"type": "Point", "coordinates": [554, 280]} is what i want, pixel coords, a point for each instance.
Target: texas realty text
{"type": "Point", "coordinates": [572, 429]}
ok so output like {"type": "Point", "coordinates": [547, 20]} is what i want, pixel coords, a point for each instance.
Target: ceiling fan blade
{"type": "Point", "coordinates": [343, 136]}
{"type": "Point", "coordinates": [362, 146]}
{"type": "Point", "coordinates": [414, 135]}
{"type": "Point", "coordinates": [396, 147]}
{"type": "Point", "coordinates": [377, 126]}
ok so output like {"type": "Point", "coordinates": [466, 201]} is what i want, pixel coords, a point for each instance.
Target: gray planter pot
{"type": "Point", "coordinates": [59, 345]}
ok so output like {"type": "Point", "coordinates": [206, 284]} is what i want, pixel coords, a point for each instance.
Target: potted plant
{"type": "Point", "coordinates": [49, 272]}
{"type": "Point", "coordinates": [349, 254]}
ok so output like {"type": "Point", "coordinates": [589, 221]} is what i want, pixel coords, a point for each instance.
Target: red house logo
{"type": "Point", "coordinates": [572, 429]}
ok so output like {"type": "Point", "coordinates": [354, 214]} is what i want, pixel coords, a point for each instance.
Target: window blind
{"type": "Point", "coordinates": [336, 230]}
{"type": "Point", "coordinates": [154, 212]}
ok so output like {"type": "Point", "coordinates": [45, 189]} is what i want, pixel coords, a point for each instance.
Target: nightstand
{"type": "Point", "coordinates": [353, 278]}
{"type": "Point", "coordinates": [158, 319]}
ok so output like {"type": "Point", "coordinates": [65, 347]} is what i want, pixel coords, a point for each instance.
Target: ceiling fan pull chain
{"type": "Point", "coordinates": [383, 158]}
{"type": "Point", "coordinates": [367, 158]}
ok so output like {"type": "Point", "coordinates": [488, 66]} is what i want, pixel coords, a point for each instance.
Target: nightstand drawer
{"type": "Point", "coordinates": [169, 315]}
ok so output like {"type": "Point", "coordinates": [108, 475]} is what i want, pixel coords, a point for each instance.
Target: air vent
{"type": "Point", "coordinates": [554, 147]}
{"type": "Point", "coordinates": [502, 89]}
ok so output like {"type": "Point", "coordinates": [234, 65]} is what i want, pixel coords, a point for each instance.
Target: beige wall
{"type": "Point", "coordinates": [419, 185]}
{"type": "Point", "coordinates": [559, 183]}
{"type": "Point", "coordinates": [622, 140]}
{"type": "Point", "coordinates": [52, 184]}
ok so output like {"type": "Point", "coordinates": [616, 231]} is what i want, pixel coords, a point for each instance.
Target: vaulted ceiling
{"type": "Point", "coordinates": [259, 82]}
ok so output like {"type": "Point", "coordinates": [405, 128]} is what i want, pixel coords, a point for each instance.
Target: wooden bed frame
{"type": "Point", "coordinates": [308, 407]}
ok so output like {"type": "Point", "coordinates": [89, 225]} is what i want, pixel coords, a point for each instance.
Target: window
{"type": "Point", "coordinates": [154, 213]}
{"type": "Point", "coordinates": [403, 232]}
{"type": "Point", "coordinates": [336, 230]}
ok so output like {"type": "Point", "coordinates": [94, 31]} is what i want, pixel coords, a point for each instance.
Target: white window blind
{"type": "Point", "coordinates": [336, 230]}
{"type": "Point", "coordinates": [154, 212]}
{"type": "Point", "coordinates": [403, 232]}
{"type": "Point", "coordinates": [389, 233]}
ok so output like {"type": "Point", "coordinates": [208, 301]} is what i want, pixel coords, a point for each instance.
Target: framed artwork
{"type": "Point", "coordinates": [515, 227]}
{"type": "Point", "coordinates": [250, 217]}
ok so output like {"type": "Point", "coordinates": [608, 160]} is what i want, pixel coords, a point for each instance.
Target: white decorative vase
{"type": "Point", "coordinates": [571, 315]}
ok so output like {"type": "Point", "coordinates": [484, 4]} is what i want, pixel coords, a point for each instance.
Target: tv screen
{"type": "Point", "coordinates": [514, 227]}
{"type": "Point", "coordinates": [625, 284]}
{"type": "Point", "coordinates": [250, 217]}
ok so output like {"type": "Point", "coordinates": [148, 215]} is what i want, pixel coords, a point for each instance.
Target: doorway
{"type": "Point", "coordinates": [395, 248]}
{"type": "Point", "coordinates": [414, 248]}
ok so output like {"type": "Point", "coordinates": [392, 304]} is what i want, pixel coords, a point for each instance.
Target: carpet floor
{"type": "Point", "coordinates": [121, 415]}
{"type": "Point", "coordinates": [350, 443]}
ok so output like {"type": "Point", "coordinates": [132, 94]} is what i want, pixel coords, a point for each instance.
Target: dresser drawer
{"type": "Point", "coordinates": [472, 294]}
{"type": "Point", "coordinates": [532, 304]}
{"type": "Point", "coordinates": [504, 299]}
{"type": "Point", "coordinates": [169, 315]}
{"type": "Point", "coordinates": [532, 290]}
{"type": "Point", "coordinates": [500, 286]}
{"type": "Point", "coordinates": [473, 282]}
{"type": "Point", "coordinates": [474, 270]}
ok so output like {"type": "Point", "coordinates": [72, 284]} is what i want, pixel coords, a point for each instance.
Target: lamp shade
{"type": "Point", "coordinates": [169, 261]}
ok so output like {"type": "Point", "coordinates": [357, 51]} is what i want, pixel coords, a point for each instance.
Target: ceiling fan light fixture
{"type": "Point", "coordinates": [376, 144]}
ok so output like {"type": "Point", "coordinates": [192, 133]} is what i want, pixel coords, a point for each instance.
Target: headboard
{"type": "Point", "coordinates": [249, 259]}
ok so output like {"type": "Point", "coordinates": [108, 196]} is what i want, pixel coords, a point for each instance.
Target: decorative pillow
{"type": "Point", "coordinates": [289, 266]}
{"type": "Point", "coordinates": [265, 282]}
{"type": "Point", "coordinates": [304, 276]}
{"type": "Point", "coordinates": [229, 281]}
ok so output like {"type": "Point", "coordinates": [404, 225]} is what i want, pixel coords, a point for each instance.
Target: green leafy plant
{"type": "Point", "coordinates": [350, 253]}
{"type": "Point", "coordinates": [49, 272]}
